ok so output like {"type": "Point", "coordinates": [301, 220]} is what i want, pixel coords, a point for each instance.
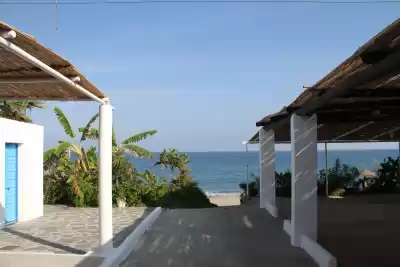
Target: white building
{"type": "Point", "coordinates": [30, 71]}
{"type": "Point", "coordinates": [357, 102]}
{"type": "Point", "coordinates": [21, 181]}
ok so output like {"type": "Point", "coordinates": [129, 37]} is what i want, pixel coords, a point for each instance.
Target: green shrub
{"type": "Point", "coordinates": [283, 184]}
{"type": "Point", "coordinates": [338, 192]}
{"type": "Point", "coordinates": [189, 196]}
{"type": "Point", "coordinates": [388, 180]}
{"type": "Point", "coordinates": [254, 185]}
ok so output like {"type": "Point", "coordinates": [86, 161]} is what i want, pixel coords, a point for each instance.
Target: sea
{"type": "Point", "coordinates": [219, 173]}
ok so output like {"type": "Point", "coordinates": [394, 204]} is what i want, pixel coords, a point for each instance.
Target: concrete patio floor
{"type": "Point", "coordinates": [225, 236]}
{"type": "Point", "coordinates": [68, 230]}
{"type": "Point", "coordinates": [360, 231]}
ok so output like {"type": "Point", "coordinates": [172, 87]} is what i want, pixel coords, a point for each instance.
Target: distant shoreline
{"type": "Point", "coordinates": [224, 201]}
{"type": "Point", "coordinates": [222, 194]}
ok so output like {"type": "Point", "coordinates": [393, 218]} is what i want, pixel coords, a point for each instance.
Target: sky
{"type": "Point", "coordinates": [201, 74]}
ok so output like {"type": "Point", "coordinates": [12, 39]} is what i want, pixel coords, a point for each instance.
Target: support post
{"type": "Point", "coordinates": [303, 134]}
{"type": "Point", "coordinates": [326, 170]}
{"type": "Point", "coordinates": [247, 175]}
{"type": "Point", "coordinates": [105, 177]}
{"type": "Point", "coordinates": [398, 180]}
{"type": "Point", "coordinates": [267, 171]}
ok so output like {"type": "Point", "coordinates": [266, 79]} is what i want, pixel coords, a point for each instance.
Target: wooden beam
{"type": "Point", "coordinates": [362, 104]}
{"type": "Point", "coordinates": [385, 133]}
{"type": "Point", "coordinates": [353, 130]}
{"type": "Point", "coordinates": [272, 118]}
{"type": "Point", "coordinates": [358, 89]}
{"type": "Point", "coordinates": [332, 119]}
{"type": "Point", "coordinates": [44, 98]}
{"type": "Point", "coordinates": [378, 92]}
{"type": "Point", "coordinates": [363, 99]}
{"type": "Point", "coordinates": [362, 110]}
{"type": "Point", "coordinates": [385, 68]}
{"type": "Point", "coordinates": [35, 80]}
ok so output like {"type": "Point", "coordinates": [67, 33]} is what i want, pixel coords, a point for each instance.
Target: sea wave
{"type": "Point", "coordinates": [221, 194]}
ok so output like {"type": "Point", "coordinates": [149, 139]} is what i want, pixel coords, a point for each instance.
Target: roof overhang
{"type": "Point", "coordinates": [359, 101]}
{"type": "Point", "coordinates": [29, 70]}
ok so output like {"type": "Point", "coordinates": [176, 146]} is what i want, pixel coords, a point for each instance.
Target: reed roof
{"type": "Point", "coordinates": [13, 67]}
{"type": "Point", "coordinates": [358, 101]}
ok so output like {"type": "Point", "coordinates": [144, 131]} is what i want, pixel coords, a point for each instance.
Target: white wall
{"type": "Point", "coordinates": [267, 172]}
{"type": "Point", "coordinates": [30, 167]}
{"type": "Point", "coordinates": [303, 132]}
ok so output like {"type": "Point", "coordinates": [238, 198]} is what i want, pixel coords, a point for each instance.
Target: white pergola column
{"type": "Point", "coordinates": [303, 134]}
{"type": "Point", "coordinates": [267, 171]}
{"type": "Point", "coordinates": [105, 177]}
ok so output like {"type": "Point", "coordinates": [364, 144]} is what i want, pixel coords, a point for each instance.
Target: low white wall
{"type": "Point", "coordinates": [29, 137]}
{"type": "Point", "coordinates": [119, 254]}
{"type": "Point", "coordinates": [320, 255]}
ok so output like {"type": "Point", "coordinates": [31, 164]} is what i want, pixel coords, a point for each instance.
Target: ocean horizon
{"type": "Point", "coordinates": [220, 172]}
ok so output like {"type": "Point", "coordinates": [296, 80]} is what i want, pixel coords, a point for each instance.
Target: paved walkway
{"type": "Point", "coordinates": [225, 236]}
{"type": "Point", "coordinates": [68, 230]}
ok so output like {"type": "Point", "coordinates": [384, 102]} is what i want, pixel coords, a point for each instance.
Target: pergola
{"type": "Point", "coordinates": [30, 71]}
{"type": "Point", "coordinates": [359, 101]}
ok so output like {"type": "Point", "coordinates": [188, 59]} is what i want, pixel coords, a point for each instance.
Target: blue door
{"type": "Point", "coordinates": [11, 183]}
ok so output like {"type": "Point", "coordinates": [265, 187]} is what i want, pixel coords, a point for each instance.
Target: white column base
{"type": "Point", "coordinates": [272, 210]}
{"type": "Point", "coordinates": [321, 256]}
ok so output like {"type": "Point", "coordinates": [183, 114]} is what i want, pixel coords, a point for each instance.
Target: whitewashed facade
{"type": "Point", "coordinates": [28, 140]}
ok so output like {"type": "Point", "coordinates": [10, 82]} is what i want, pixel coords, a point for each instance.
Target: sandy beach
{"type": "Point", "coordinates": [221, 201]}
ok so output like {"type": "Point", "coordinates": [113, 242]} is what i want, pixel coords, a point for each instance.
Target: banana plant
{"type": "Point", "coordinates": [73, 146]}
{"type": "Point", "coordinates": [127, 146]}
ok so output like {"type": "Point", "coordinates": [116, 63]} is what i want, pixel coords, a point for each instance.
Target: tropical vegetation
{"type": "Point", "coordinates": [18, 110]}
{"type": "Point", "coordinates": [343, 179]}
{"type": "Point", "coordinates": [71, 176]}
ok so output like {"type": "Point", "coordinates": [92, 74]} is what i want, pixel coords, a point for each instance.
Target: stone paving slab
{"type": "Point", "coordinates": [68, 230]}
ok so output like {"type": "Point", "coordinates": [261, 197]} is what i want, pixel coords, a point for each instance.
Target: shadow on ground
{"type": "Point", "coordinates": [360, 231]}
{"type": "Point", "coordinates": [225, 236]}
{"type": "Point", "coordinates": [59, 233]}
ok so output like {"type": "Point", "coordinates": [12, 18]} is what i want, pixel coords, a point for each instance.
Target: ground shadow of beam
{"type": "Point", "coordinates": [44, 242]}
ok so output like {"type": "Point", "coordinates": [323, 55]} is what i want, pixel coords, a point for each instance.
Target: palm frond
{"type": "Point", "coordinates": [138, 137]}
{"type": "Point", "coordinates": [92, 134]}
{"type": "Point", "coordinates": [64, 122]}
{"type": "Point", "coordinates": [31, 104]}
{"type": "Point", "coordinates": [88, 126]}
{"type": "Point", "coordinates": [62, 147]}
{"type": "Point", "coordinates": [114, 138]}
{"type": "Point", "coordinates": [92, 157]}
{"type": "Point", "coordinates": [49, 153]}
{"type": "Point", "coordinates": [137, 151]}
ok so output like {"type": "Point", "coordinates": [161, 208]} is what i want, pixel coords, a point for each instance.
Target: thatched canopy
{"type": "Point", "coordinates": [358, 101]}
{"type": "Point", "coordinates": [13, 71]}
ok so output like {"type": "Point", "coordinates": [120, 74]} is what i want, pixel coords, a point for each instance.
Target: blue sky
{"type": "Point", "coordinates": [201, 74]}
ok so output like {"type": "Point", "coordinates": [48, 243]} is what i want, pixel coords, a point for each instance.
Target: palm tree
{"type": "Point", "coordinates": [126, 147]}
{"type": "Point", "coordinates": [176, 161]}
{"type": "Point", "coordinates": [17, 110]}
{"type": "Point", "coordinates": [74, 146]}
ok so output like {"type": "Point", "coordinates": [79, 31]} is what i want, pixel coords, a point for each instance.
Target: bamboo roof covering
{"type": "Point", "coordinates": [359, 101]}
{"type": "Point", "coordinates": [13, 68]}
